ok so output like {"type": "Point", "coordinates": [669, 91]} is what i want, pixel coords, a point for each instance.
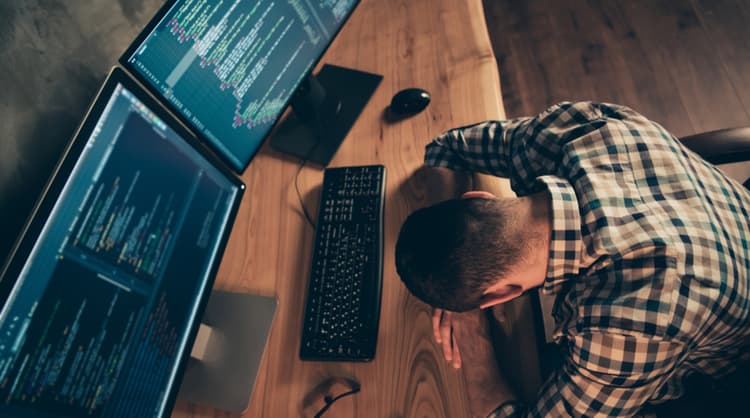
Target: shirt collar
{"type": "Point", "coordinates": [565, 242]}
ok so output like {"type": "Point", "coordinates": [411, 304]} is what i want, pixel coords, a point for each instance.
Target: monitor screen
{"type": "Point", "coordinates": [103, 294]}
{"type": "Point", "coordinates": [229, 68]}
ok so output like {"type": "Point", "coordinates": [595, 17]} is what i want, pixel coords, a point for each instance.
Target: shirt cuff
{"type": "Point", "coordinates": [565, 242]}
{"type": "Point", "coordinates": [439, 152]}
{"type": "Point", "coordinates": [507, 410]}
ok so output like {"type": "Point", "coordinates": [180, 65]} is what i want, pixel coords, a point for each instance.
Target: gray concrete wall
{"type": "Point", "coordinates": [54, 55]}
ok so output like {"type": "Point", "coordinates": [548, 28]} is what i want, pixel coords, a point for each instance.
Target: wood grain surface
{"type": "Point", "coordinates": [683, 64]}
{"type": "Point", "coordinates": [443, 47]}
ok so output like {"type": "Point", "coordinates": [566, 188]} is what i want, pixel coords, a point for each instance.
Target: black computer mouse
{"type": "Point", "coordinates": [409, 101]}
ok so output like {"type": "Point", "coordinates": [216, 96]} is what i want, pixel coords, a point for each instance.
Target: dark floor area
{"type": "Point", "coordinates": [685, 64]}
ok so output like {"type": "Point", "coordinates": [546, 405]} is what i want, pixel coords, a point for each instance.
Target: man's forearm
{"type": "Point", "coordinates": [436, 184]}
{"type": "Point", "coordinates": [486, 387]}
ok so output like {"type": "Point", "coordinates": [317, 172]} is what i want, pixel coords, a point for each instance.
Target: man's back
{"type": "Point", "coordinates": [654, 205]}
{"type": "Point", "coordinates": [649, 251]}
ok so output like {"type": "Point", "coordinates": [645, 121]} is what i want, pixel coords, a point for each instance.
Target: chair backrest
{"type": "Point", "coordinates": [722, 147]}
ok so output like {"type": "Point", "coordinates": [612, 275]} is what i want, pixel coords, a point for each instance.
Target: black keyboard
{"type": "Point", "coordinates": [342, 308]}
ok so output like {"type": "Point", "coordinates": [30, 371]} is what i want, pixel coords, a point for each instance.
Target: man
{"type": "Point", "coordinates": [643, 244]}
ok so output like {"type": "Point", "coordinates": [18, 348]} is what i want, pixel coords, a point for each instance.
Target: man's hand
{"type": "Point", "coordinates": [442, 327]}
{"type": "Point", "coordinates": [431, 185]}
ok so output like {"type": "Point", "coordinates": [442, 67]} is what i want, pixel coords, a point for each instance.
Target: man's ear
{"type": "Point", "coordinates": [478, 193]}
{"type": "Point", "coordinates": [499, 293]}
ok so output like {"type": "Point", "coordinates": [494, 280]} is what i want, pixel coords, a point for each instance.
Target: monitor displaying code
{"type": "Point", "coordinates": [99, 316]}
{"type": "Point", "coordinates": [230, 67]}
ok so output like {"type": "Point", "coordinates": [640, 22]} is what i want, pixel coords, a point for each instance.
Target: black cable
{"type": "Point", "coordinates": [330, 400]}
{"type": "Point", "coordinates": [299, 195]}
{"type": "Point", "coordinates": [318, 126]}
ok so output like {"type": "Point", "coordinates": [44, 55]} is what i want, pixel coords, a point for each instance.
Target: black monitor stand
{"type": "Point", "coordinates": [324, 109]}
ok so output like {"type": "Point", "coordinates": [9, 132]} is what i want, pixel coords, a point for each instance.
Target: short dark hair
{"type": "Point", "coordinates": [448, 254]}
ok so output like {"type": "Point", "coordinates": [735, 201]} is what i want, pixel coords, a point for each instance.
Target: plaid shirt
{"type": "Point", "coordinates": [648, 257]}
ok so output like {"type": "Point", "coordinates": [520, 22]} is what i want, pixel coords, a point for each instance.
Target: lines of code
{"type": "Point", "coordinates": [126, 221]}
{"type": "Point", "coordinates": [102, 315]}
{"type": "Point", "coordinates": [75, 347]}
{"type": "Point", "coordinates": [135, 239]}
{"type": "Point", "coordinates": [155, 351]}
{"type": "Point", "coordinates": [230, 67]}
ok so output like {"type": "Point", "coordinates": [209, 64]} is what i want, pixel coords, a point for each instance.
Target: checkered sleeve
{"type": "Point", "coordinates": [520, 149]}
{"type": "Point", "coordinates": [607, 375]}
{"type": "Point", "coordinates": [617, 357]}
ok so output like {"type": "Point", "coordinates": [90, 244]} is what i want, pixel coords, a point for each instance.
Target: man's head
{"type": "Point", "coordinates": [449, 255]}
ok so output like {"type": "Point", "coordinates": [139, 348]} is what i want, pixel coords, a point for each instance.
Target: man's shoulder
{"type": "Point", "coordinates": [614, 353]}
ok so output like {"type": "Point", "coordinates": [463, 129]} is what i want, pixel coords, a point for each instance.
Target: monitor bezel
{"type": "Point", "coordinates": [43, 208]}
{"type": "Point", "coordinates": [133, 47]}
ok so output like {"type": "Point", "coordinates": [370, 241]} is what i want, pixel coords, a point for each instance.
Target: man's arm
{"type": "Point", "coordinates": [615, 381]}
{"type": "Point", "coordinates": [475, 355]}
{"type": "Point", "coordinates": [618, 356]}
{"type": "Point", "coordinates": [522, 149]}
{"type": "Point", "coordinates": [430, 185]}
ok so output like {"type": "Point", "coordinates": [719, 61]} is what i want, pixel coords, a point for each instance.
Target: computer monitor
{"type": "Point", "coordinates": [228, 69]}
{"type": "Point", "coordinates": [103, 294]}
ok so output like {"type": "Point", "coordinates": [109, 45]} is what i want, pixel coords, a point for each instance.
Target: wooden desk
{"type": "Point", "coordinates": [443, 47]}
